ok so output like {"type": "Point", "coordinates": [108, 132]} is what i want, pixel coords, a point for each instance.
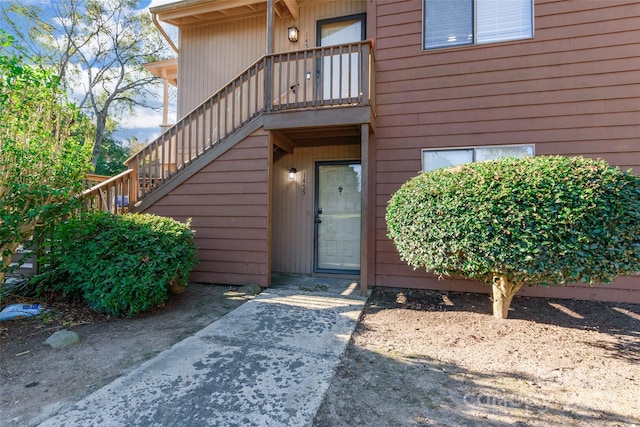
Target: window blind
{"type": "Point", "coordinates": [448, 23]}
{"type": "Point", "coordinates": [500, 20]}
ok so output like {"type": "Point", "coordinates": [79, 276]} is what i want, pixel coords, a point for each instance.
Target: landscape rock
{"type": "Point", "coordinates": [62, 338]}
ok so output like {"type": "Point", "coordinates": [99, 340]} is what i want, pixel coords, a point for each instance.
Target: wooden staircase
{"type": "Point", "coordinates": [317, 78]}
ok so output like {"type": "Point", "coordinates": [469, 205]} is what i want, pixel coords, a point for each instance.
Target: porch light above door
{"type": "Point", "coordinates": [292, 173]}
{"type": "Point", "coordinates": [293, 34]}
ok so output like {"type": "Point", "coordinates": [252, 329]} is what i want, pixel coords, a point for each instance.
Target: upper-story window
{"type": "Point", "coordinates": [449, 23]}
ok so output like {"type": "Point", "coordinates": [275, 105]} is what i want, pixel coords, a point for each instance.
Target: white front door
{"type": "Point", "coordinates": [340, 71]}
{"type": "Point", "coordinates": [337, 222]}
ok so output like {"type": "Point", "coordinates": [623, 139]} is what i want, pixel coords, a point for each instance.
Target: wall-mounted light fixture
{"type": "Point", "coordinates": [292, 173]}
{"type": "Point", "coordinates": [293, 33]}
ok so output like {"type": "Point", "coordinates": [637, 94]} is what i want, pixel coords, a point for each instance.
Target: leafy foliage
{"type": "Point", "coordinates": [539, 220]}
{"type": "Point", "coordinates": [98, 48]}
{"type": "Point", "coordinates": [112, 157]}
{"type": "Point", "coordinates": [120, 264]}
{"type": "Point", "coordinates": [44, 156]}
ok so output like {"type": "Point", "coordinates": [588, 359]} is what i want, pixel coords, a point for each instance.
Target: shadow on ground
{"type": "Point", "coordinates": [426, 358]}
{"type": "Point", "coordinates": [619, 319]}
{"type": "Point", "coordinates": [426, 392]}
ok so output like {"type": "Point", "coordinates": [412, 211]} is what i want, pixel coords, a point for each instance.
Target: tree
{"type": "Point", "coordinates": [520, 222]}
{"type": "Point", "coordinates": [112, 157]}
{"type": "Point", "coordinates": [44, 151]}
{"type": "Point", "coordinates": [101, 44]}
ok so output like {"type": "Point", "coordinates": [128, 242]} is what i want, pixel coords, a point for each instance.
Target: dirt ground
{"type": "Point", "coordinates": [36, 381]}
{"type": "Point", "coordinates": [418, 358]}
{"type": "Point", "coordinates": [421, 358]}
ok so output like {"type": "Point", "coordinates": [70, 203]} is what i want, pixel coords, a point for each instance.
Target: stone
{"type": "Point", "coordinates": [62, 339]}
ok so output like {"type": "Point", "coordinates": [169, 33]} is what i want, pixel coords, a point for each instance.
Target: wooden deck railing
{"type": "Point", "coordinates": [112, 195]}
{"type": "Point", "coordinates": [312, 78]}
{"type": "Point", "coordinates": [92, 180]}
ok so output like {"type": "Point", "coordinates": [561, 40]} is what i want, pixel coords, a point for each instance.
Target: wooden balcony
{"type": "Point", "coordinates": [323, 86]}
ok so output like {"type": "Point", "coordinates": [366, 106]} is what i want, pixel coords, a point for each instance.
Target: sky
{"type": "Point", "coordinates": [145, 123]}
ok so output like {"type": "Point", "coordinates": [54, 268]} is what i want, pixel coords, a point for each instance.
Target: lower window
{"type": "Point", "coordinates": [433, 159]}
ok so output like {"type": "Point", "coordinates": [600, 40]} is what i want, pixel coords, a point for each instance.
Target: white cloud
{"type": "Point", "coordinates": [141, 134]}
{"type": "Point", "coordinates": [146, 118]}
{"type": "Point", "coordinates": [155, 3]}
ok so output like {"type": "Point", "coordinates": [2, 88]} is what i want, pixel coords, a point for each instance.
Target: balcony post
{"type": "Point", "coordinates": [270, 16]}
{"type": "Point", "coordinates": [268, 75]}
{"type": "Point", "coordinates": [268, 84]}
{"type": "Point", "coordinates": [134, 183]}
{"type": "Point", "coordinates": [365, 73]}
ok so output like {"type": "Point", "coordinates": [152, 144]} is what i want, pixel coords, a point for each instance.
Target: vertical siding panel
{"type": "Point", "coordinates": [309, 13]}
{"type": "Point", "coordinates": [293, 230]}
{"type": "Point", "coordinates": [213, 54]}
{"type": "Point", "coordinates": [572, 89]}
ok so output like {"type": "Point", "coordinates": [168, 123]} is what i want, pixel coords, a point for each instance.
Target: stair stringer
{"type": "Point", "coordinates": [198, 164]}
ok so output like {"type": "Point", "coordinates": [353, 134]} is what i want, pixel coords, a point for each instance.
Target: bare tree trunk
{"type": "Point", "coordinates": [101, 124]}
{"type": "Point", "coordinates": [503, 292]}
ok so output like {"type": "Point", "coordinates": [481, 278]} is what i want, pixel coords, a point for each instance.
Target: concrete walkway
{"type": "Point", "coordinates": [267, 363]}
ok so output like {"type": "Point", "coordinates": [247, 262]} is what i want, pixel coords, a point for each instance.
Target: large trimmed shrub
{"type": "Point", "coordinates": [121, 264]}
{"type": "Point", "coordinates": [510, 223]}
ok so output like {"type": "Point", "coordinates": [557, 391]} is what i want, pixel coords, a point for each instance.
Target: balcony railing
{"type": "Point", "coordinates": [321, 77]}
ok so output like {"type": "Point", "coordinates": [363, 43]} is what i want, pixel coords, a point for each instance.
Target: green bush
{"type": "Point", "coordinates": [121, 264]}
{"type": "Point", "coordinates": [44, 151]}
{"type": "Point", "coordinates": [515, 222]}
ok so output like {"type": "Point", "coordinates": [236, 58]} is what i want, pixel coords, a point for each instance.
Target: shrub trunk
{"type": "Point", "coordinates": [503, 292]}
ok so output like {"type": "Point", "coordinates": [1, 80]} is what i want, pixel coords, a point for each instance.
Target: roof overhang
{"type": "Point", "coordinates": [167, 70]}
{"type": "Point", "coordinates": [188, 12]}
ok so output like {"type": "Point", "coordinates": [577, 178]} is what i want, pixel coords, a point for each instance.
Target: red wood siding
{"type": "Point", "coordinates": [228, 204]}
{"type": "Point", "coordinates": [572, 89]}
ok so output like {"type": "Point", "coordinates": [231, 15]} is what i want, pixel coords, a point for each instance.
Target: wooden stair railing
{"type": "Point", "coordinates": [319, 77]}
{"type": "Point", "coordinates": [112, 195]}
{"type": "Point", "coordinates": [92, 180]}
{"type": "Point", "coordinates": [215, 119]}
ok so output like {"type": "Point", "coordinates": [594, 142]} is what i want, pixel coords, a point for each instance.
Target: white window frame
{"type": "Point", "coordinates": [474, 30]}
{"type": "Point", "coordinates": [474, 149]}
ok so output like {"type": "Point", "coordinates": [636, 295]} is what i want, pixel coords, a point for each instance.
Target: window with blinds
{"type": "Point", "coordinates": [433, 159]}
{"type": "Point", "coordinates": [449, 23]}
